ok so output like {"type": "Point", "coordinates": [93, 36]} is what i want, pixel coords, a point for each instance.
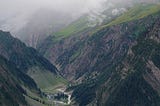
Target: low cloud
{"type": "Point", "coordinates": [75, 7]}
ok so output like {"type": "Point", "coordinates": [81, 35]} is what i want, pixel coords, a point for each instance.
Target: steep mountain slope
{"type": "Point", "coordinates": [128, 75]}
{"type": "Point", "coordinates": [16, 86]}
{"type": "Point", "coordinates": [66, 50]}
{"type": "Point", "coordinates": [10, 89]}
{"type": "Point", "coordinates": [131, 73]}
{"type": "Point", "coordinates": [29, 61]}
{"type": "Point", "coordinates": [114, 64]}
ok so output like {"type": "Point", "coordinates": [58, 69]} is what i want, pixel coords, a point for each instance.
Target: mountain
{"type": "Point", "coordinates": [112, 64]}
{"type": "Point", "coordinates": [33, 28]}
{"type": "Point", "coordinates": [110, 57]}
{"type": "Point", "coordinates": [28, 60]}
{"type": "Point", "coordinates": [51, 22]}
{"type": "Point", "coordinates": [66, 45]}
{"type": "Point", "coordinates": [127, 70]}
{"type": "Point", "coordinates": [11, 93]}
{"type": "Point", "coordinates": [26, 71]}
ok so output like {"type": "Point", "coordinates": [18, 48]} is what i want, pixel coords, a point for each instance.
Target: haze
{"type": "Point", "coordinates": [14, 14]}
{"type": "Point", "coordinates": [12, 7]}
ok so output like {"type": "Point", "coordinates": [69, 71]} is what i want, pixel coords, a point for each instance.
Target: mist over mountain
{"type": "Point", "coordinates": [42, 24]}
{"type": "Point", "coordinates": [12, 12]}
{"type": "Point", "coordinates": [33, 20]}
{"type": "Point", "coordinates": [46, 16]}
{"type": "Point", "coordinates": [15, 14]}
{"type": "Point", "coordinates": [80, 53]}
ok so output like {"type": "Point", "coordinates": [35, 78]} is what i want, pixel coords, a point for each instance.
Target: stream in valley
{"type": "Point", "coordinates": [61, 98]}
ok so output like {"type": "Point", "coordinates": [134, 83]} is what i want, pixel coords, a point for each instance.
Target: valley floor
{"type": "Point", "coordinates": [50, 98]}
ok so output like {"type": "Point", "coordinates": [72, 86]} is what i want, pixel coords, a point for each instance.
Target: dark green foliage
{"type": "Point", "coordinates": [16, 61]}
{"type": "Point", "coordinates": [156, 56]}
{"type": "Point", "coordinates": [11, 93]}
{"type": "Point", "coordinates": [22, 78]}
{"type": "Point", "coordinates": [134, 91]}
{"type": "Point", "coordinates": [85, 93]}
{"type": "Point", "coordinates": [21, 55]}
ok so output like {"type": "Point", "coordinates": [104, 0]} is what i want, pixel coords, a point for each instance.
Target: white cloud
{"type": "Point", "coordinates": [15, 13]}
{"type": "Point", "coordinates": [70, 6]}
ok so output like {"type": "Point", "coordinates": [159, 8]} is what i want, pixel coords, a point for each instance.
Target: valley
{"type": "Point", "coordinates": [105, 57]}
{"type": "Point", "coordinates": [58, 97]}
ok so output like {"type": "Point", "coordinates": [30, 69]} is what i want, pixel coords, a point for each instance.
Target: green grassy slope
{"type": "Point", "coordinates": [29, 61]}
{"type": "Point", "coordinates": [46, 79]}
{"type": "Point", "coordinates": [32, 102]}
{"type": "Point", "coordinates": [137, 12]}
{"type": "Point", "coordinates": [75, 27]}
{"type": "Point", "coordinates": [34, 72]}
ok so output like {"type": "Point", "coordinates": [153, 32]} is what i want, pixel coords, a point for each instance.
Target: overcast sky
{"type": "Point", "coordinates": [11, 7]}
{"type": "Point", "coordinates": [15, 13]}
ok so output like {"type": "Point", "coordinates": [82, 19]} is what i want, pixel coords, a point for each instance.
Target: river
{"type": "Point", "coordinates": [56, 102]}
{"type": "Point", "coordinates": [66, 93]}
